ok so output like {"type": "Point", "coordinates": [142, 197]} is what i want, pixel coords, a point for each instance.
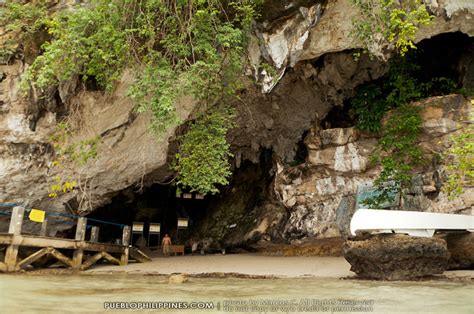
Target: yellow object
{"type": "Point", "coordinates": [37, 215]}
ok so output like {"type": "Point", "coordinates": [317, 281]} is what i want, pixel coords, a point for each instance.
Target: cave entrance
{"type": "Point", "coordinates": [440, 65]}
{"type": "Point", "coordinates": [223, 217]}
{"type": "Point", "coordinates": [157, 203]}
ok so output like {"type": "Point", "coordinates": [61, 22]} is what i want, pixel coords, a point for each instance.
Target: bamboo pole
{"type": "Point", "coordinates": [125, 243]}
{"type": "Point", "coordinates": [16, 222]}
{"type": "Point", "coordinates": [94, 234]}
{"type": "Point", "coordinates": [44, 227]}
{"type": "Point", "coordinates": [80, 236]}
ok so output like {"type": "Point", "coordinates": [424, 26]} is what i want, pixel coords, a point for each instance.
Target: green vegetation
{"type": "Point", "coordinates": [67, 153]}
{"type": "Point", "coordinates": [461, 154]}
{"type": "Point", "coordinates": [397, 152]}
{"type": "Point", "coordinates": [404, 83]}
{"type": "Point", "coordinates": [173, 48]}
{"type": "Point", "coordinates": [23, 21]}
{"type": "Point", "coordinates": [385, 106]}
{"type": "Point", "coordinates": [389, 22]}
{"type": "Point", "coordinates": [202, 161]}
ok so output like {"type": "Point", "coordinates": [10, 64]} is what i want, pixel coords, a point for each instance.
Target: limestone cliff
{"type": "Point", "coordinates": [309, 45]}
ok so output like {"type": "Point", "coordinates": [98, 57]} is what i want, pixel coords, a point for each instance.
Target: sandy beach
{"type": "Point", "coordinates": [251, 265]}
{"type": "Point", "coordinates": [240, 264]}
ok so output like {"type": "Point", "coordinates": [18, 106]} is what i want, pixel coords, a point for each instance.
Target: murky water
{"type": "Point", "coordinates": [87, 293]}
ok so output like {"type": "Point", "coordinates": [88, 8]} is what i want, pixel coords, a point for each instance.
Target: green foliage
{"type": "Point", "coordinates": [202, 161]}
{"type": "Point", "coordinates": [461, 168]}
{"type": "Point", "coordinates": [66, 150]}
{"type": "Point", "coordinates": [369, 107]}
{"type": "Point", "coordinates": [402, 84]}
{"type": "Point", "coordinates": [24, 18]}
{"type": "Point", "coordinates": [87, 42]}
{"type": "Point", "coordinates": [67, 153]}
{"type": "Point", "coordinates": [23, 21]}
{"type": "Point", "coordinates": [173, 48]}
{"type": "Point", "coordinates": [397, 150]}
{"type": "Point", "coordinates": [389, 22]}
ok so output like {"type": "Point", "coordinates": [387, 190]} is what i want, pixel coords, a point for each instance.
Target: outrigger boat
{"type": "Point", "coordinates": [413, 223]}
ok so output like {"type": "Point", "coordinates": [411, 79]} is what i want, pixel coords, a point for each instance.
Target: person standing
{"type": "Point", "coordinates": [166, 244]}
{"type": "Point", "coordinates": [194, 246]}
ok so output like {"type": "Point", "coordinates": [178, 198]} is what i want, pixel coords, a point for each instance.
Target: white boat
{"type": "Point", "coordinates": [420, 224]}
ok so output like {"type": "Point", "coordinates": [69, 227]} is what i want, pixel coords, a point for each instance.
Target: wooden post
{"type": "Point", "coordinates": [94, 234]}
{"type": "Point", "coordinates": [44, 227]}
{"type": "Point", "coordinates": [125, 243]}
{"type": "Point", "coordinates": [16, 222]}
{"type": "Point", "coordinates": [80, 236]}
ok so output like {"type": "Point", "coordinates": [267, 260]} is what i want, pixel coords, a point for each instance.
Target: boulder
{"type": "Point", "coordinates": [396, 257]}
{"type": "Point", "coordinates": [177, 278]}
{"type": "Point", "coordinates": [344, 213]}
{"type": "Point", "coordinates": [461, 248]}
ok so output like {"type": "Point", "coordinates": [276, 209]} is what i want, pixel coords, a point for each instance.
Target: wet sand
{"type": "Point", "coordinates": [250, 266]}
{"type": "Point", "coordinates": [237, 264]}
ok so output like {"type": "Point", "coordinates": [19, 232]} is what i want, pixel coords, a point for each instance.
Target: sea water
{"type": "Point", "coordinates": [138, 293]}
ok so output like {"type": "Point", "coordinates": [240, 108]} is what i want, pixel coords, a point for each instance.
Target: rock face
{"type": "Point", "coordinates": [308, 43]}
{"type": "Point", "coordinates": [304, 95]}
{"type": "Point", "coordinates": [461, 248]}
{"type": "Point", "coordinates": [396, 257]}
{"type": "Point", "coordinates": [127, 150]}
{"type": "Point", "coordinates": [320, 193]}
{"type": "Point", "coordinates": [242, 216]}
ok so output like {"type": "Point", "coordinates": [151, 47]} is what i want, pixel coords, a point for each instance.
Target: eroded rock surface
{"type": "Point", "coordinates": [396, 257]}
{"type": "Point", "coordinates": [320, 193]}
{"type": "Point", "coordinates": [461, 249]}
{"type": "Point", "coordinates": [310, 46]}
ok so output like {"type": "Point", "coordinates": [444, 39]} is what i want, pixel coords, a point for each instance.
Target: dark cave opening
{"type": "Point", "coordinates": [301, 152]}
{"type": "Point", "coordinates": [447, 57]}
{"type": "Point", "coordinates": [159, 203]}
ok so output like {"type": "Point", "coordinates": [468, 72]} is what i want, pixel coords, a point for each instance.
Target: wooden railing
{"type": "Point", "coordinates": [76, 253]}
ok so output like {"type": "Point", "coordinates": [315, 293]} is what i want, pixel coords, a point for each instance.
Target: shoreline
{"type": "Point", "coordinates": [248, 265]}
{"type": "Point", "coordinates": [241, 266]}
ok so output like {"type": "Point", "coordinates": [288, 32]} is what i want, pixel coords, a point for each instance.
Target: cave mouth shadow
{"type": "Point", "coordinates": [157, 203]}
{"type": "Point", "coordinates": [441, 56]}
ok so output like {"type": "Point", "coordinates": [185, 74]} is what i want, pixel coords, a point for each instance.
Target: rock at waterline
{"type": "Point", "coordinates": [396, 256]}
{"type": "Point", "coordinates": [461, 248]}
{"type": "Point", "coordinates": [177, 278]}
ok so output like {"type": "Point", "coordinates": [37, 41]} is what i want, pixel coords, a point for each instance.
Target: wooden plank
{"type": "Point", "coordinates": [6, 238]}
{"type": "Point", "coordinates": [138, 255]}
{"type": "Point", "coordinates": [70, 244]}
{"type": "Point", "coordinates": [16, 222]}
{"type": "Point", "coordinates": [34, 257]}
{"type": "Point", "coordinates": [125, 243]}
{"type": "Point", "coordinates": [62, 258]}
{"type": "Point", "coordinates": [81, 229]}
{"type": "Point", "coordinates": [177, 249]}
{"type": "Point", "coordinates": [59, 243]}
{"type": "Point", "coordinates": [80, 236]}
{"type": "Point", "coordinates": [94, 234]}
{"type": "Point", "coordinates": [111, 259]}
{"type": "Point", "coordinates": [92, 260]}
{"type": "Point", "coordinates": [44, 227]}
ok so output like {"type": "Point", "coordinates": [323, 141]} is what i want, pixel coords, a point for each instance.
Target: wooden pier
{"type": "Point", "coordinates": [77, 253]}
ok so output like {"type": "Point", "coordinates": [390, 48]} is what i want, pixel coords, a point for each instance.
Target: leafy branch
{"type": "Point", "coordinates": [389, 24]}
